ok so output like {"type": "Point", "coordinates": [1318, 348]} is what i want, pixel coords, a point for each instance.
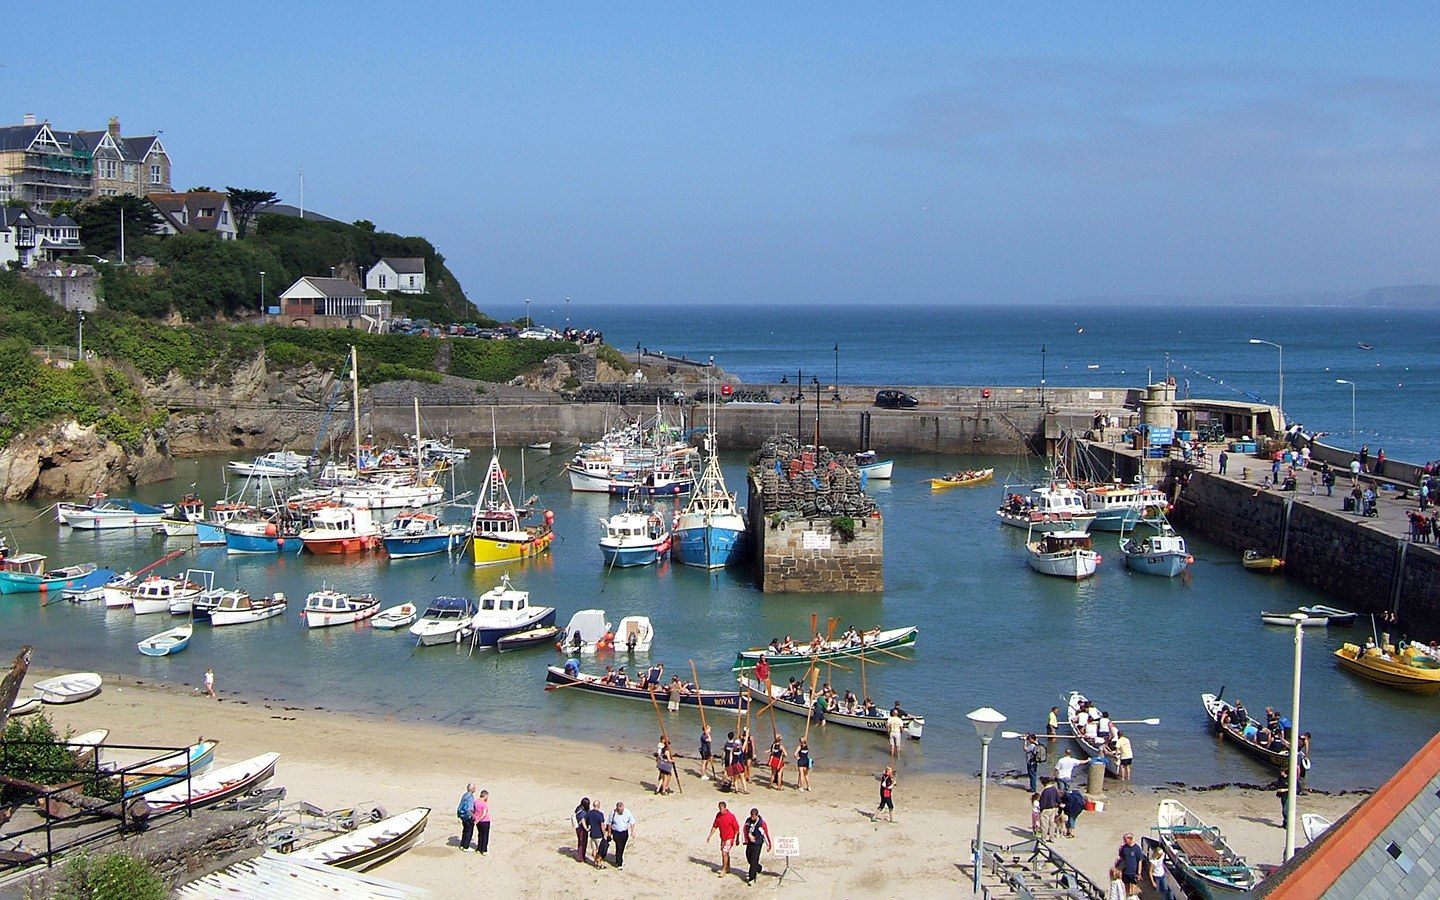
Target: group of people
{"type": "Point", "coordinates": [853, 637]}
{"type": "Point", "coordinates": [1423, 528]}
{"type": "Point", "coordinates": [1271, 734]}
{"type": "Point", "coordinates": [755, 833]}
{"type": "Point", "coordinates": [738, 756]}
{"type": "Point", "coordinates": [595, 831]}
{"type": "Point", "coordinates": [1099, 731]}
{"type": "Point", "coordinates": [474, 815]}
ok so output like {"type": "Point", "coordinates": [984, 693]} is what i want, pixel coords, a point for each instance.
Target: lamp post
{"type": "Point", "coordinates": [1352, 407]}
{"type": "Point", "coordinates": [80, 338]}
{"type": "Point", "coordinates": [985, 720]}
{"type": "Point", "coordinates": [815, 379]}
{"type": "Point", "coordinates": [567, 313]}
{"type": "Point", "coordinates": [1292, 787]}
{"type": "Point", "coordinates": [1281, 402]}
{"type": "Point", "coordinates": [836, 398]}
{"type": "Point", "coordinates": [527, 312]}
{"type": "Point", "coordinates": [1042, 379]}
{"type": "Point", "coordinates": [262, 292]}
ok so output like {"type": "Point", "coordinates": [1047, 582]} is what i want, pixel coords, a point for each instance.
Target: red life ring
{"type": "Point", "coordinates": [985, 393]}
{"type": "Point", "coordinates": [726, 390]}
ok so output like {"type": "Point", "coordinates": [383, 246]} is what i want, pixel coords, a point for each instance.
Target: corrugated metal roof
{"type": "Point", "coordinates": [281, 877]}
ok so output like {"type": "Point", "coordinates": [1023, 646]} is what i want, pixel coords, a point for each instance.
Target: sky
{"type": "Point", "coordinates": [788, 153]}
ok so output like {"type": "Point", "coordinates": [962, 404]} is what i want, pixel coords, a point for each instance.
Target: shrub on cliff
{"type": "Point", "coordinates": [501, 360]}
{"type": "Point", "coordinates": [114, 876]}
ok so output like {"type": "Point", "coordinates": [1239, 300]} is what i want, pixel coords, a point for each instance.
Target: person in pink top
{"type": "Point", "coordinates": [481, 815]}
{"type": "Point", "coordinates": [729, 828]}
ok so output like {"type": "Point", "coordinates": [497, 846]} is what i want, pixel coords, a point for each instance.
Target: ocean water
{"type": "Point", "coordinates": [993, 633]}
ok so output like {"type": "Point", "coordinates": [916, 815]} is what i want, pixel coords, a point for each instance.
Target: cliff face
{"type": "Point", "coordinates": [67, 460]}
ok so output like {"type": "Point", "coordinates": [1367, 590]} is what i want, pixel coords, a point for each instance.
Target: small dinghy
{"type": "Point", "coordinates": [634, 634]}
{"type": "Point", "coordinates": [168, 642]}
{"type": "Point", "coordinates": [396, 616]}
{"type": "Point", "coordinates": [369, 845]}
{"type": "Point", "coordinates": [70, 688]}
{"type": "Point", "coordinates": [1256, 561]}
{"type": "Point", "coordinates": [221, 784]}
{"type": "Point", "coordinates": [25, 707]}
{"type": "Point", "coordinates": [531, 637]}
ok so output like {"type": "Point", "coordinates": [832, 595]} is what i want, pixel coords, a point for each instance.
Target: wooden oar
{"type": "Point", "coordinates": [665, 735]}
{"type": "Point", "coordinates": [696, 678]}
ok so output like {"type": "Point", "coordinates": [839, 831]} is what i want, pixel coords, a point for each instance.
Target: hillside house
{"type": "Point", "coordinates": [195, 212]}
{"type": "Point", "coordinates": [41, 164]}
{"type": "Point", "coordinates": [405, 274]}
{"type": "Point", "coordinates": [313, 302]}
{"type": "Point", "coordinates": [28, 237]}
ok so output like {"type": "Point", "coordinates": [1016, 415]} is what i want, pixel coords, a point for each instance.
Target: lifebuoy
{"type": "Point", "coordinates": [726, 390]}
{"type": "Point", "coordinates": [985, 393]}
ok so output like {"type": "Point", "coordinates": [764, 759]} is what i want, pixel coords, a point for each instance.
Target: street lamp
{"type": "Point", "coordinates": [1042, 379]}
{"type": "Point", "coordinates": [527, 312]}
{"type": "Point", "coordinates": [262, 292]}
{"type": "Point", "coordinates": [815, 379]}
{"type": "Point", "coordinates": [1292, 787]}
{"type": "Point", "coordinates": [1352, 407]}
{"type": "Point", "coordinates": [80, 338]}
{"type": "Point", "coordinates": [836, 398]}
{"type": "Point", "coordinates": [1281, 403]}
{"type": "Point", "coordinates": [985, 720]}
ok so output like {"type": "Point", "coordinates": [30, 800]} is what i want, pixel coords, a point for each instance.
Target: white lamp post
{"type": "Point", "coordinates": [527, 312]}
{"type": "Point", "coordinates": [80, 338]}
{"type": "Point", "coordinates": [1293, 786]}
{"type": "Point", "coordinates": [1352, 407]}
{"type": "Point", "coordinates": [1281, 403]}
{"type": "Point", "coordinates": [985, 720]}
{"type": "Point", "coordinates": [567, 313]}
{"type": "Point", "coordinates": [262, 293]}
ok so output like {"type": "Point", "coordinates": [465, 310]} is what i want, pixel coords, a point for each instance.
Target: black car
{"type": "Point", "coordinates": [893, 399]}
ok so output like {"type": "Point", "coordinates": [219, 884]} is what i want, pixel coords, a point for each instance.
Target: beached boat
{"type": "Point", "coordinates": [70, 688]}
{"type": "Point", "coordinates": [115, 514]}
{"type": "Point", "coordinates": [85, 747]}
{"type": "Point", "coordinates": [1073, 705]}
{"type": "Point", "coordinates": [1199, 854]}
{"type": "Point", "coordinates": [239, 608]}
{"type": "Point", "coordinates": [532, 637]}
{"type": "Point", "coordinates": [26, 707]}
{"type": "Point", "coordinates": [1273, 752]}
{"type": "Point", "coordinates": [167, 643]}
{"type": "Point", "coordinates": [961, 479]}
{"type": "Point", "coordinates": [1058, 506]}
{"type": "Point", "coordinates": [370, 844]}
{"type": "Point", "coordinates": [340, 529]}
{"type": "Point", "coordinates": [873, 467]}
{"type": "Point", "coordinates": [1120, 507]}
{"type": "Point", "coordinates": [396, 616]}
{"type": "Point", "coordinates": [710, 533]}
{"type": "Point", "coordinates": [421, 534]}
{"type": "Point", "coordinates": [557, 678]}
{"type": "Point", "coordinates": [633, 537]}
{"type": "Point", "coordinates": [89, 587]}
{"type": "Point", "coordinates": [1065, 554]}
{"type": "Point", "coordinates": [804, 654]}
{"type": "Point", "coordinates": [1161, 553]}
{"type": "Point", "coordinates": [445, 621]}
{"type": "Point", "coordinates": [1408, 669]}
{"type": "Point", "coordinates": [214, 786]}
{"type": "Point", "coordinates": [1313, 825]}
{"type": "Point", "coordinates": [504, 610]}
{"type": "Point", "coordinates": [1256, 561]}
{"type": "Point", "coordinates": [496, 533]}
{"type": "Point", "coordinates": [279, 464]}
{"type": "Point", "coordinates": [26, 573]}
{"type": "Point", "coordinates": [169, 769]}
{"type": "Point", "coordinates": [327, 607]}
{"type": "Point", "coordinates": [800, 705]}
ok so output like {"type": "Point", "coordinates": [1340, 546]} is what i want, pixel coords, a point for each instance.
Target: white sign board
{"type": "Point", "coordinates": [815, 540]}
{"type": "Point", "coordinates": [787, 847]}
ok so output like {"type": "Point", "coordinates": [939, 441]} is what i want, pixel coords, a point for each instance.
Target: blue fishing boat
{"type": "Point", "coordinates": [633, 537]}
{"type": "Point", "coordinates": [167, 642]}
{"type": "Point", "coordinates": [710, 533]}
{"type": "Point", "coordinates": [258, 537]}
{"type": "Point", "coordinates": [421, 534]}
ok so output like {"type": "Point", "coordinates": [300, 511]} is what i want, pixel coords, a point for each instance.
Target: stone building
{"type": "Point", "coordinates": [40, 164]}
{"type": "Point", "coordinates": [70, 284]}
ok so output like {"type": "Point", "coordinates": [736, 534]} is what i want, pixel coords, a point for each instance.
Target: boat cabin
{"type": "Point", "coordinates": [327, 600]}
{"type": "Point", "coordinates": [504, 598]}
{"type": "Point", "coordinates": [1062, 541]}
{"type": "Point", "coordinates": [448, 609]}
{"type": "Point", "coordinates": [24, 564]}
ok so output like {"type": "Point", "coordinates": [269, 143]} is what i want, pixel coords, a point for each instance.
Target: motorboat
{"type": "Point", "coordinates": [1120, 506]}
{"type": "Point", "coordinates": [1408, 668]}
{"type": "Point", "coordinates": [392, 490]}
{"type": "Point", "coordinates": [26, 573]}
{"type": "Point", "coordinates": [531, 637]}
{"type": "Point", "coordinates": [327, 607]}
{"type": "Point", "coordinates": [634, 634]}
{"type": "Point", "coordinates": [445, 621]}
{"type": "Point", "coordinates": [114, 514]}
{"type": "Point", "coordinates": [239, 608]}
{"type": "Point", "coordinates": [184, 603]}
{"type": "Point", "coordinates": [654, 481]}
{"type": "Point", "coordinates": [873, 467]}
{"type": "Point", "coordinates": [70, 688]}
{"type": "Point", "coordinates": [710, 532]}
{"type": "Point", "coordinates": [210, 530]}
{"type": "Point", "coordinates": [497, 534]}
{"type": "Point", "coordinates": [278, 464]}
{"type": "Point", "coordinates": [167, 643]}
{"type": "Point", "coordinates": [587, 631]}
{"type": "Point", "coordinates": [1066, 554]}
{"type": "Point", "coordinates": [180, 521]}
{"type": "Point", "coordinates": [340, 529]}
{"type": "Point", "coordinates": [505, 610]}
{"type": "Point", "coordinates": [1256, 561]}
{"type": "Point", "coordinates": [250, 535]}
{"type": "Point", "coordinates": [421, 534]}
{"type": "Point", "coordinates": [89, 587]}
{"type": "Point", "coordinates": [1058, 506]}
{"type": "Point", "coordinates": [444, 448]}
{"type": "Point", "coordinates": [634, 537]}
{"type": "Point", "coordinates": [1333, 616]}
{"type": "Point", "coordinates": [1161, 553]}
{"type": "Point", "coordinates": [155, 593]}
{"type": "Point", "coordinates": [396, 616]}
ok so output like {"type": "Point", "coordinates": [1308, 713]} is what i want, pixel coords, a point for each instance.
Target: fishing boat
{"type": "Point", "coordinates": [89, 587]}
{"type": "Point", "coordinates": [370, 844]}
{"type": "Point", "coordinates": [70, 688]}
{"type": "Point", "coordinates": [800, 705]}
{"type": "Point", "coordinates": [1066, 554]}
{"type": "Point", "coordinates": [652, 481]}
{"type": "Point", "coordinates": [26, 573]}
{"type": "Point", "coordinates": [327, 607]}
{"type": "Point", "coordinates": [340, 529]}
{"type": "Point", "coordinates": [532, 637]}
{"type": "Point", "coordinates": [185, 603]}
{"type": "Point", "coordinates": [961, 479]}
{"type": "Point", "coordinates": [63, 510]}
{"type": "Point", "coordinates": [392, 491]}
{"type": "Point", "coordinates": [504, 610]}
{"type": "Point", "coordinates": [1256, 561]}
{"type": "Point", "coordinates": [1272, 752]}
{"type": "Point", "coordinates": [1120, 507]}
{"type": "Point", "coordinates": [633, 537]}
{"type": "Point", "coordinates": [210, 530]}
{"type": "Point", "coordinates": [114, 514]}
{"type": "Point", "coordinates": [710, 533]}
{"type": "Point", "coordinates": [1365, 346]}
{"type": "Point", "coordinates": [214, 786]}
{"type": "Point", "coordinates": [1073, 705]}
{"type": "Point", "coordinates": [873, 467]}
{"type": "Point", "coordinates": [1333, 616]}
{"type": "Point", "coordinates": [1058, 506]}
{"type": "Point", "coordinates": [803, 654]}
{"type": "Point", "coordinates": [445, 621]}
{"type": "Point", "coordinates": [496, 533]}
{"type": "Point", "coordinates": [1199, 854]}
{"type": "Point", "coordinates": [155, 593]}
{"type": "Point", "coordinates": [278, 464]}
{"type": "Point", "coordinates": [248, 535]}
{"type": "Point", "coordinates": [557, 678]}
{"type": "Point", "coordinates": [239, 608]}
{"type": "Point", "coordinates": [538, 445]}
{"type": "Point", "coordinates": [421, 534]}
{"type": "Point", "coordinates": [587, 632]}
{"type": "Point", "coordinates": [1160, 553]}
{"type": "Point", "coordinates": [634, 634]}
{"type": "Point", "coordinates": [396, 616]}
{"type": "Point", "coordinates": [166, 770]}
{"type": "Point", "coordinates": [1408, 669]}
{"type": "Point", "coordinates": [167, 643]}
{"type": "Point", "coordinates": [180, 521]}
{"type": "Point", "coordinates": [444, 448]}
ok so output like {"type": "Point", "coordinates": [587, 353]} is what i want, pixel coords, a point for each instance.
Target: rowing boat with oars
{"type": "Point", "coordinates": [804, 654]}
{"type": "Point", "coordinates": [1235, 734]}
{"type": "Point", "coordinates": [800, 706]}
{"type": "Point", "coordinates": [558, 679]}
{"type": "Point", "coordinates": [1200, 855]}
{"type": "Point", "coordinates": [961, 479]}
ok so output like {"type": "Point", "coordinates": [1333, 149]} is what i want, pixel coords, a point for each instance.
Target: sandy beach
{"type": "Point", "coordinates": [334, 760]}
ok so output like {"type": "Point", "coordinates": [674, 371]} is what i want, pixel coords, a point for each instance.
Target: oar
{"type": "Point", "coordinates": [1153, 721]}
{"type": "Point", "coordinates": [696, 677]}
{"type": "Point", "coordinates": [664, 734]}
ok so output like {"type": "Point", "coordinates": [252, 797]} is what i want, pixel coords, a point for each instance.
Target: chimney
{"type": "Point", "coordinates": [29, 119]}
{"type": "Point", "coordinates": [114, 128]}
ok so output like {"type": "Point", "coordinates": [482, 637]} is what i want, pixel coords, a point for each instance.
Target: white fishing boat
{"type": "Point", "coordinates": [1199, 854]}
{"type": "Point", "coordinates": [1065, 554]}
{"type": "Point", "coordinates": [1058, 506]}
{"type": "Point", "coordinates": [327, 607]}
{"type": "Point", "coordinates": [117, 592]}
{"type": "Point", "coordinates": [873, 467]}
{"type": "Point", "coordinates": [443, 448]}
{"type": "Point", "coordinates": [155, 593]}
{"type": "Point", "coordinates": [634, 634]}
{"type": "Point", "coordinates": [634, 537]}
{"type": "Point", "coordinates": [215, 785]}
{"type": "Point", "coordinates": [370, 844]}
{"type": "Point", "coordinates": [167, 643]}
{"type": "Point", "coordinates": [1120, 507]}
{"type": "Point", "coordinates": [396, 616]}
{"type": "Point", "coordinates": [115, 514]}
{"type": "Point", "coordinates": [70, 688]}
{"type": "Point", "coordinates": [504, 610]}
{"type": "Point", "coordinates": [279, 464]}
{"type": "Point", "coordinates": [239, 608]}
{"type": "Point", "coordinates": [586, 631]}
{"type": "Point", "coordinates": [392, 491]}
{"type": "Point", "coordinates": [445, 621]}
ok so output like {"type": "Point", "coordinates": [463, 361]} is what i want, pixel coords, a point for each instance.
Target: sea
{"type": "Point", "coordinates": [992, 632]}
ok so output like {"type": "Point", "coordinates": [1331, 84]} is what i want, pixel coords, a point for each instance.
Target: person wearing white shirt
{"type": "Point", "coordinates": [1065, 770]}
{"type": "Point", "coordinates": [619, 826]}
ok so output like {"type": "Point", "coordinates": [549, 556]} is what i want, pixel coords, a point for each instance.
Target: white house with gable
{"type": "Point", "coordinates": [405, 274]}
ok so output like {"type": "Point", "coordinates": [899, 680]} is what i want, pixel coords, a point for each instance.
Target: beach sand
{"type": "Point", "coordinates": [535, 782]}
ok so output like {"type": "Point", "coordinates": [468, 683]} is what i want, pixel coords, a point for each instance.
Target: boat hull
{"type": "Point", "coordinates": [167, 643]}
{"type": "Point", "coordinates": [239, 542]}
{"type": "Point", "coordinates": [713, 547]}
{"type": "Point", "coordinates": [423, 545]}
{"type": "Point", "coordinates": [878, 724]}
{"type": "Point", "coordinates": [1388, 672]}
{"type": "Point", "coordinates": [323, 619]}
{"type": "Point", "coordinates": [624, 556]}
{"type": "Point", "coordinates": [369, 845]}
{"type": "Point", "coordinates": [22, 583]}
{"type": "Point", "coordinates": [1232, 877]}
{"type": "Point", "coordinates": [113, 522]}
{"type": "Point", "coordinates": [490, 636]}
{"type": "Point", "coordinates": [556, 676]}
{"type": "Point", "coordinates": [589, 482]}
{"type": "Point", "coordinates": [520, 640]}
{"type": "Point", "coordinates": [491, 551]}
{"type": "Point", "coordinates": [69, 688]}
{"type": "Point", "coordinates": [1279, 761]}
{"type": "Point", "coordinates": [359, 543]}
{"type": "Point", "coordinates": [1166, 565]}
{"type": "Point", "coordinates": [1072, 707]}
{"type": "Point", "coordinates": [1073, 565]}
{"type": "Point", "coordinates": [221, 784]}
{"type": "Point", "coordinates": [886, 640]}
{"type": "Point", "coordinates": [208, 534]}
{"type": "Point", "coordinates": [167, 771]}
{"type": "Point", "coordinates": [878, 471]}
{"type": "Point", "coordinates": [222, 617]}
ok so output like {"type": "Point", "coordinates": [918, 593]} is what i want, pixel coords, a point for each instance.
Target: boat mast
{"type": "Point", "coordinates": [355, 399]}
{"type": "Point", "coordinates": [419, 457]}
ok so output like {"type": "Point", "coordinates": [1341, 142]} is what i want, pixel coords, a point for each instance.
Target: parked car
{"type": "Point", "coordinates": [893, 399]}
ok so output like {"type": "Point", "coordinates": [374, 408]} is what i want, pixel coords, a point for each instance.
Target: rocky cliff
{"type": "Point", "coordinates": [68, 460]}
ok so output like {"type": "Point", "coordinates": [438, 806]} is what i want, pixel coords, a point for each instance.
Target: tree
{"type": "Point", "coordinates": [99, 220]}
{"type": "Point", "coordinates": [247, 204]}
{"type": "Point", "coordinates": [200, 189]}
{"type": "Point", "coordinates": [364, 225]}
{"type": "Point", "coordinates": [64, 208]}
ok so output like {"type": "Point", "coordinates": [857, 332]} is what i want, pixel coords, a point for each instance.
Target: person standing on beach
{"type": "Point", "coordinates": [729, 828]}
{"type": "Point", "coordinates": [757, 839]}
{"type": "Point", "coordinates": [894, 725]}
{"type": "Point", "coordinates": [620, 826]}
{"type": "Point", "coordinates": [778, 755]}
{"type": "Point", "coordinates": [1065, 770]}
{"type": "Point", "coordinates": [582, 828]}
{"type": "Point", "coordinates": [665, 765]}
{"type": "Point", "coordinates": [482, 822]}
{"type": "Point", "coordinates": [1051, 800]}
{"type": "Point", "coordinates": [802, 766]}
{"type": "Point", "coordinates": [1125, 751]}
{"type": "Point", "coordinates": [466, 813]}
{"type": "Point", "coordinates": [1032, 762]}
{"type": "Point", "coordinates": [1052, 725]}
{"type": "Point", "coordinates": [595, 832]}
{"type": "Point", "coordinates": [707, 755]}
{"type": "Point", "coordinates": [210, 684]}
{"type": "Point", "coordinates": [1131, 859]}
{"type": "Point", "coordinates": [1074, 806]}
{"type": "Point", "coordinates": [887, 793]}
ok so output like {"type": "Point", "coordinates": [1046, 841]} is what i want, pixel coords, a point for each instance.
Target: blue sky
{"type": "Point", "coordinates": [786, 153]}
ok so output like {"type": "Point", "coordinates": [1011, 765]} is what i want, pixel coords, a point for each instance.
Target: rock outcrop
{"type": "Point", "coordinates": [67, 460]}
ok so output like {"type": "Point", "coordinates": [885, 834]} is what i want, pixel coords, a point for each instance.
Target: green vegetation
{"type": "Point", "coordinates": [33, 754]}
{"type": "Point", "coordinates": [843, 526]}
{"type": "Point", "coordinates": [614, 358]}
{"type": "Point", "coordinates": [114, 876]}
{"type": "Point", "coordinates": [501, 360]}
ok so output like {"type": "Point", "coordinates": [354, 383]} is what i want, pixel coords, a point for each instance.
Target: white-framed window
{"type": "Point", "coordinates": [224, 217]}
{"type": "Point", "coordinates": [131, 172]}
{"type": "Point", "coordinates": [155, 175]}
{"type": "Point", "coordinates": [109, 168]}
{"type": "Point", "coordinates": [382, 282]}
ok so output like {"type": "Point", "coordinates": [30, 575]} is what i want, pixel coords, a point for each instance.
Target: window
{"type": "Point", "coordinates": [155, 175]}
{"type": "Point", "coordinates": [224, 217]}
{"type": "Point", "coordinates": [109, 168]}
{"type": "Point", "coordinates": [207, 212]}
{"type": "Point", "coordinates": [131, 172]}
{"type": "Point", "coordinates": [382, 282]}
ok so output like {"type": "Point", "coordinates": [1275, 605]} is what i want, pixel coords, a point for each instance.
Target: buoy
{"type": "Point", "coordinates": [1099, 559]}
{"type": "Point", "coordinates": [270, 529]}
{"type": "Point", "coordinates": [726, 390]}
{"type": "Point", "coordinates": [985, 393]}
{"type": "Point", "coordinates": [1189, 560]}
{"type": "Point", "coordinates": [549, 517]}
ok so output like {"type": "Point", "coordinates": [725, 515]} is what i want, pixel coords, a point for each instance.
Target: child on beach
{"type": "Point", "coordinates": [1035, 814]}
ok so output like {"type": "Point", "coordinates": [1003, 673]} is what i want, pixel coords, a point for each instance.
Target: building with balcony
{"type": "Point", "coordinates": [313, 302]}
{"type": "Point", "coordinates": [28, 237]}
{"type": "Point", "coordinates": [40, 164]}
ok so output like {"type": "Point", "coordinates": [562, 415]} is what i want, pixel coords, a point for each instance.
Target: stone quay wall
{"type": "Point", "coordinates": [805, 555]}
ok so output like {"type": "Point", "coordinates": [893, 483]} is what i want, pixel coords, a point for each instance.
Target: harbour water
{"type": "Point", "coordinates": [993, 633]}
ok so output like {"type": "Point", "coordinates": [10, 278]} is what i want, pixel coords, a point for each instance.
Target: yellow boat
{"type": "Point", "coordinates": [1256, 562]}
{"type": "Point", "coordinates": [960, 479]}
{"type": "Point", "coordinates": [1408, 670]}
{"type": "Point", "coordinates": [496, 533]}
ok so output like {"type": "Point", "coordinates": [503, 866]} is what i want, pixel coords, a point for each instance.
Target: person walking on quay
{"type": "Point", "coordinates": [757, 839]}
{"type": "Point", "coordinates": [465, 812]}
{"type": "Point", "coordinates": [802, 766]}
{"type": "Point", "coordinates": [707, 755]}
{"type": "Point", "coordinates": [582, 828]}
{"type": "Point", "coordinates": [1224, 461]}
{"type": "Point", "coordinates": [728, 827]}
{"type": "Point", "coordinates": [619, 828]}
{"type": "Point", "coordinates": [778, 756]}
{"type": "Point", "coordinates": [1074, 806]}
{"type": "Point", "coordinates": [481, 815]}
{"type": "Point", "coordinates": [1380, 462]}
{"type": "Point", "coordinates": [1034, 756]}
{"type": "Point", "coordinates": [664, 765]}
{"type": "Point", "coordinates": [1314, 482]}
{"type": "Point", "coordinates": [1051, 799]}
{"type": "Point", "coordinates": [1131, 859]}
{"type": "Point", "coordinates": [887, 794]}
{"type": "Point", "coordinates": [1065, 770]}
{"type": "Point", "coordinates": [1365, 457]}
{"type": "Point", "coordinates": [1355, 468]}
{"type": "Point", "coordinates": [210, 684]}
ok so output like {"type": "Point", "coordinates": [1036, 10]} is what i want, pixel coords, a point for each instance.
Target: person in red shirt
{"type": "Point", "coordinates": [729, 828]}
{"type": "Point", "coordinates": [757, 838]}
